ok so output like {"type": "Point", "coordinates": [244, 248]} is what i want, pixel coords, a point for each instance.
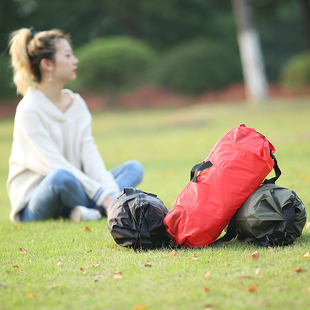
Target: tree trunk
{"type": "Point", "coordinates": [250, 51]}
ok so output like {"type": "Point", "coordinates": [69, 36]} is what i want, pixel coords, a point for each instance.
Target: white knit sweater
{"type": "Point", "coordinates": [46, 139]}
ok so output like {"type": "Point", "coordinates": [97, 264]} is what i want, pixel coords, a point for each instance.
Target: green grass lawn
{"type": "Point", "coordinates": [168, 142]}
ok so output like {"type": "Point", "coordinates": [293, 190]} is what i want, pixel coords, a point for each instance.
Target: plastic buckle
{"type": "Point", "coordinates": [269, 241]}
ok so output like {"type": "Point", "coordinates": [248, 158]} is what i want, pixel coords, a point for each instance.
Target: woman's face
{"type": "Point", "coordinates": [65, 65]}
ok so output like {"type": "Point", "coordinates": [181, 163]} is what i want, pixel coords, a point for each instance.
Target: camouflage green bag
{"type": "Point", "coordinates": [272, 215]}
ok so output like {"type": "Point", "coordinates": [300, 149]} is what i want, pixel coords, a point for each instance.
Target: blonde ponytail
{"type": "Point", "coordinates": [22, 77]}
{"type": "Point", "coordinates": [27, 49]}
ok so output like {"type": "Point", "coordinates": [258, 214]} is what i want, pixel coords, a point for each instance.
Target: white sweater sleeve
{"type": "Point", "coordinates": [92, 163]}
{"type": "Point", "coordinates": [42, 155]}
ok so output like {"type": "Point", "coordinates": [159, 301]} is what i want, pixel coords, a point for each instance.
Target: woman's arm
{"type": "Point", "coordinates": [92, 162]}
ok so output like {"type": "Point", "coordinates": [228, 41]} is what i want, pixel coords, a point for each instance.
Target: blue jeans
{"type": "Point", "coordinates": [60, 191]}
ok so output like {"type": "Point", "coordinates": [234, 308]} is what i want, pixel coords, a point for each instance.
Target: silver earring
{"type": "Point", "coordinates": [50, 75]}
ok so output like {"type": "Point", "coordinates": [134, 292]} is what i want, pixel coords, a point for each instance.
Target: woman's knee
{"type": "Point", "coordinates": [137, 168]}
{"type": "Point", "coordinates": [63, 177]}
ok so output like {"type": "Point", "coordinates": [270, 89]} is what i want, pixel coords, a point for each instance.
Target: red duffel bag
{"type": "Point", "coordinates": [236, 166]}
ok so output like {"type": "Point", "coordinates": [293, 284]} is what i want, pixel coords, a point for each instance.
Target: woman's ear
{"type": "Point", "coordinates": [47, 64]}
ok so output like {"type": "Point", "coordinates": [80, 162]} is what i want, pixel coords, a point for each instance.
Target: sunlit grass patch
{"type": "Point", "coordinates": [168, 142]}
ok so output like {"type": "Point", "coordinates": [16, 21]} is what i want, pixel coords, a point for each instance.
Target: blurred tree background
{"type": "Point", "coordinates": [196, 36]}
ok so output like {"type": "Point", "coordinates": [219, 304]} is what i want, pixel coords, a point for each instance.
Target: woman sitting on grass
{"type": "Point", "coordinates": [55, 168]}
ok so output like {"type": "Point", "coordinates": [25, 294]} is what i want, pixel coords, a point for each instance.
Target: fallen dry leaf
{"type": "Point", "coordinates": [308, 225]}
{"type": "Point", "coordinates": [72, 240]}
{"type": "Point", "coordinates": [93, 266]}
{"type": "Point", "coordinates": [173, 253]}
{"type": "Point", "coordinates": [55, 285]}
{"type": "Point", "coordinates": [83, 271]}
{"type": "Point", "coordinates": [22, 251]}
{"type": "Point", "coordinates": [9, 271]}
{"type": "Point", "coordinates": [25, 251]}
{"type": "Point", "coordinates": [99, 275]}
{"type": "Point", "coordinates": [117, 277]}
{"type": "Point", "coordinates": [254, 256]}
{"type": "Point", "coordinates": [307, 255]}
{"type": "Point", "coordinates": [148, 265]}
{"type": "Point", "coordinates": [192, 258]}
{"type": "Point", "coordinates": [15, 266]}
{"type": "Point", "coordinates": [17, 227]}
{"type": "Point", "coordinates": [60, 264]}
{"type": "Point", "coordinates": [86, 229]}
{"type": "Point", "coordinates": [308, 289]}
{"type": "Point", "coordinates": [31, 295]}
{"type": "Point", "coordinates": [257, 271]}
{"type": "Point", "coordinates": [139, 307]}
{"type": "Point", "coordinates": [246, 276]}
{"type": "Point", "coordinates": [298, 269]}
{"type": "Point", "coordinates": [206, 289]}
{"type": "Point", "coordinates": [206, 275]}
{"type": "Point", "coordinates": [253, 288]}
{"type": "Point", "coordinates": [96, 280]}
{"type": "Point", "coordinates": [271, 249]}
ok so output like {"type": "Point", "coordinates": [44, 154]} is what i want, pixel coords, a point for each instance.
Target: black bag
{"type": "Point", "coordinates": [135, 219]}
{"type": "Point", "coordinates": [271, 216]}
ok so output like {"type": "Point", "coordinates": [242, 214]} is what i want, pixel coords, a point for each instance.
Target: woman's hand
{"type": "Point", "coordinates": [107, 201]}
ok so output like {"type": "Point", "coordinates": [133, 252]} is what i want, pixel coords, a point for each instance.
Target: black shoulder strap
{"type": "Point", "coordinates": [230, 233]}
{"type": "Point", "coordinates": [287, 237]}
{"type": "Point", "coordinates": [276, 170]}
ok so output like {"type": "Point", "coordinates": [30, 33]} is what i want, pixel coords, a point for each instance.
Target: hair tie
{"type": "Point", "coordinates": [33, 32]}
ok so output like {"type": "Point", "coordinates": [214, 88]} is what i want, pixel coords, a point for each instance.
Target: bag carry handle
{"type": "Point", "coordinates": [129, 191]}
{"type": "Point", "coordinates": [276, 170]}
{"type": "Point", "coordinates": [197, 168]}
{"type": "Point", "coordinates": [133, 190]}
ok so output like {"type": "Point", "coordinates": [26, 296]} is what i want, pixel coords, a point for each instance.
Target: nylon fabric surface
{"type": "Point", "coordinates": [241, 161]}
{"type": "Point", "coordinates": [262, 213]}
{"type": "Point", "coordinates": [125, 214]}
